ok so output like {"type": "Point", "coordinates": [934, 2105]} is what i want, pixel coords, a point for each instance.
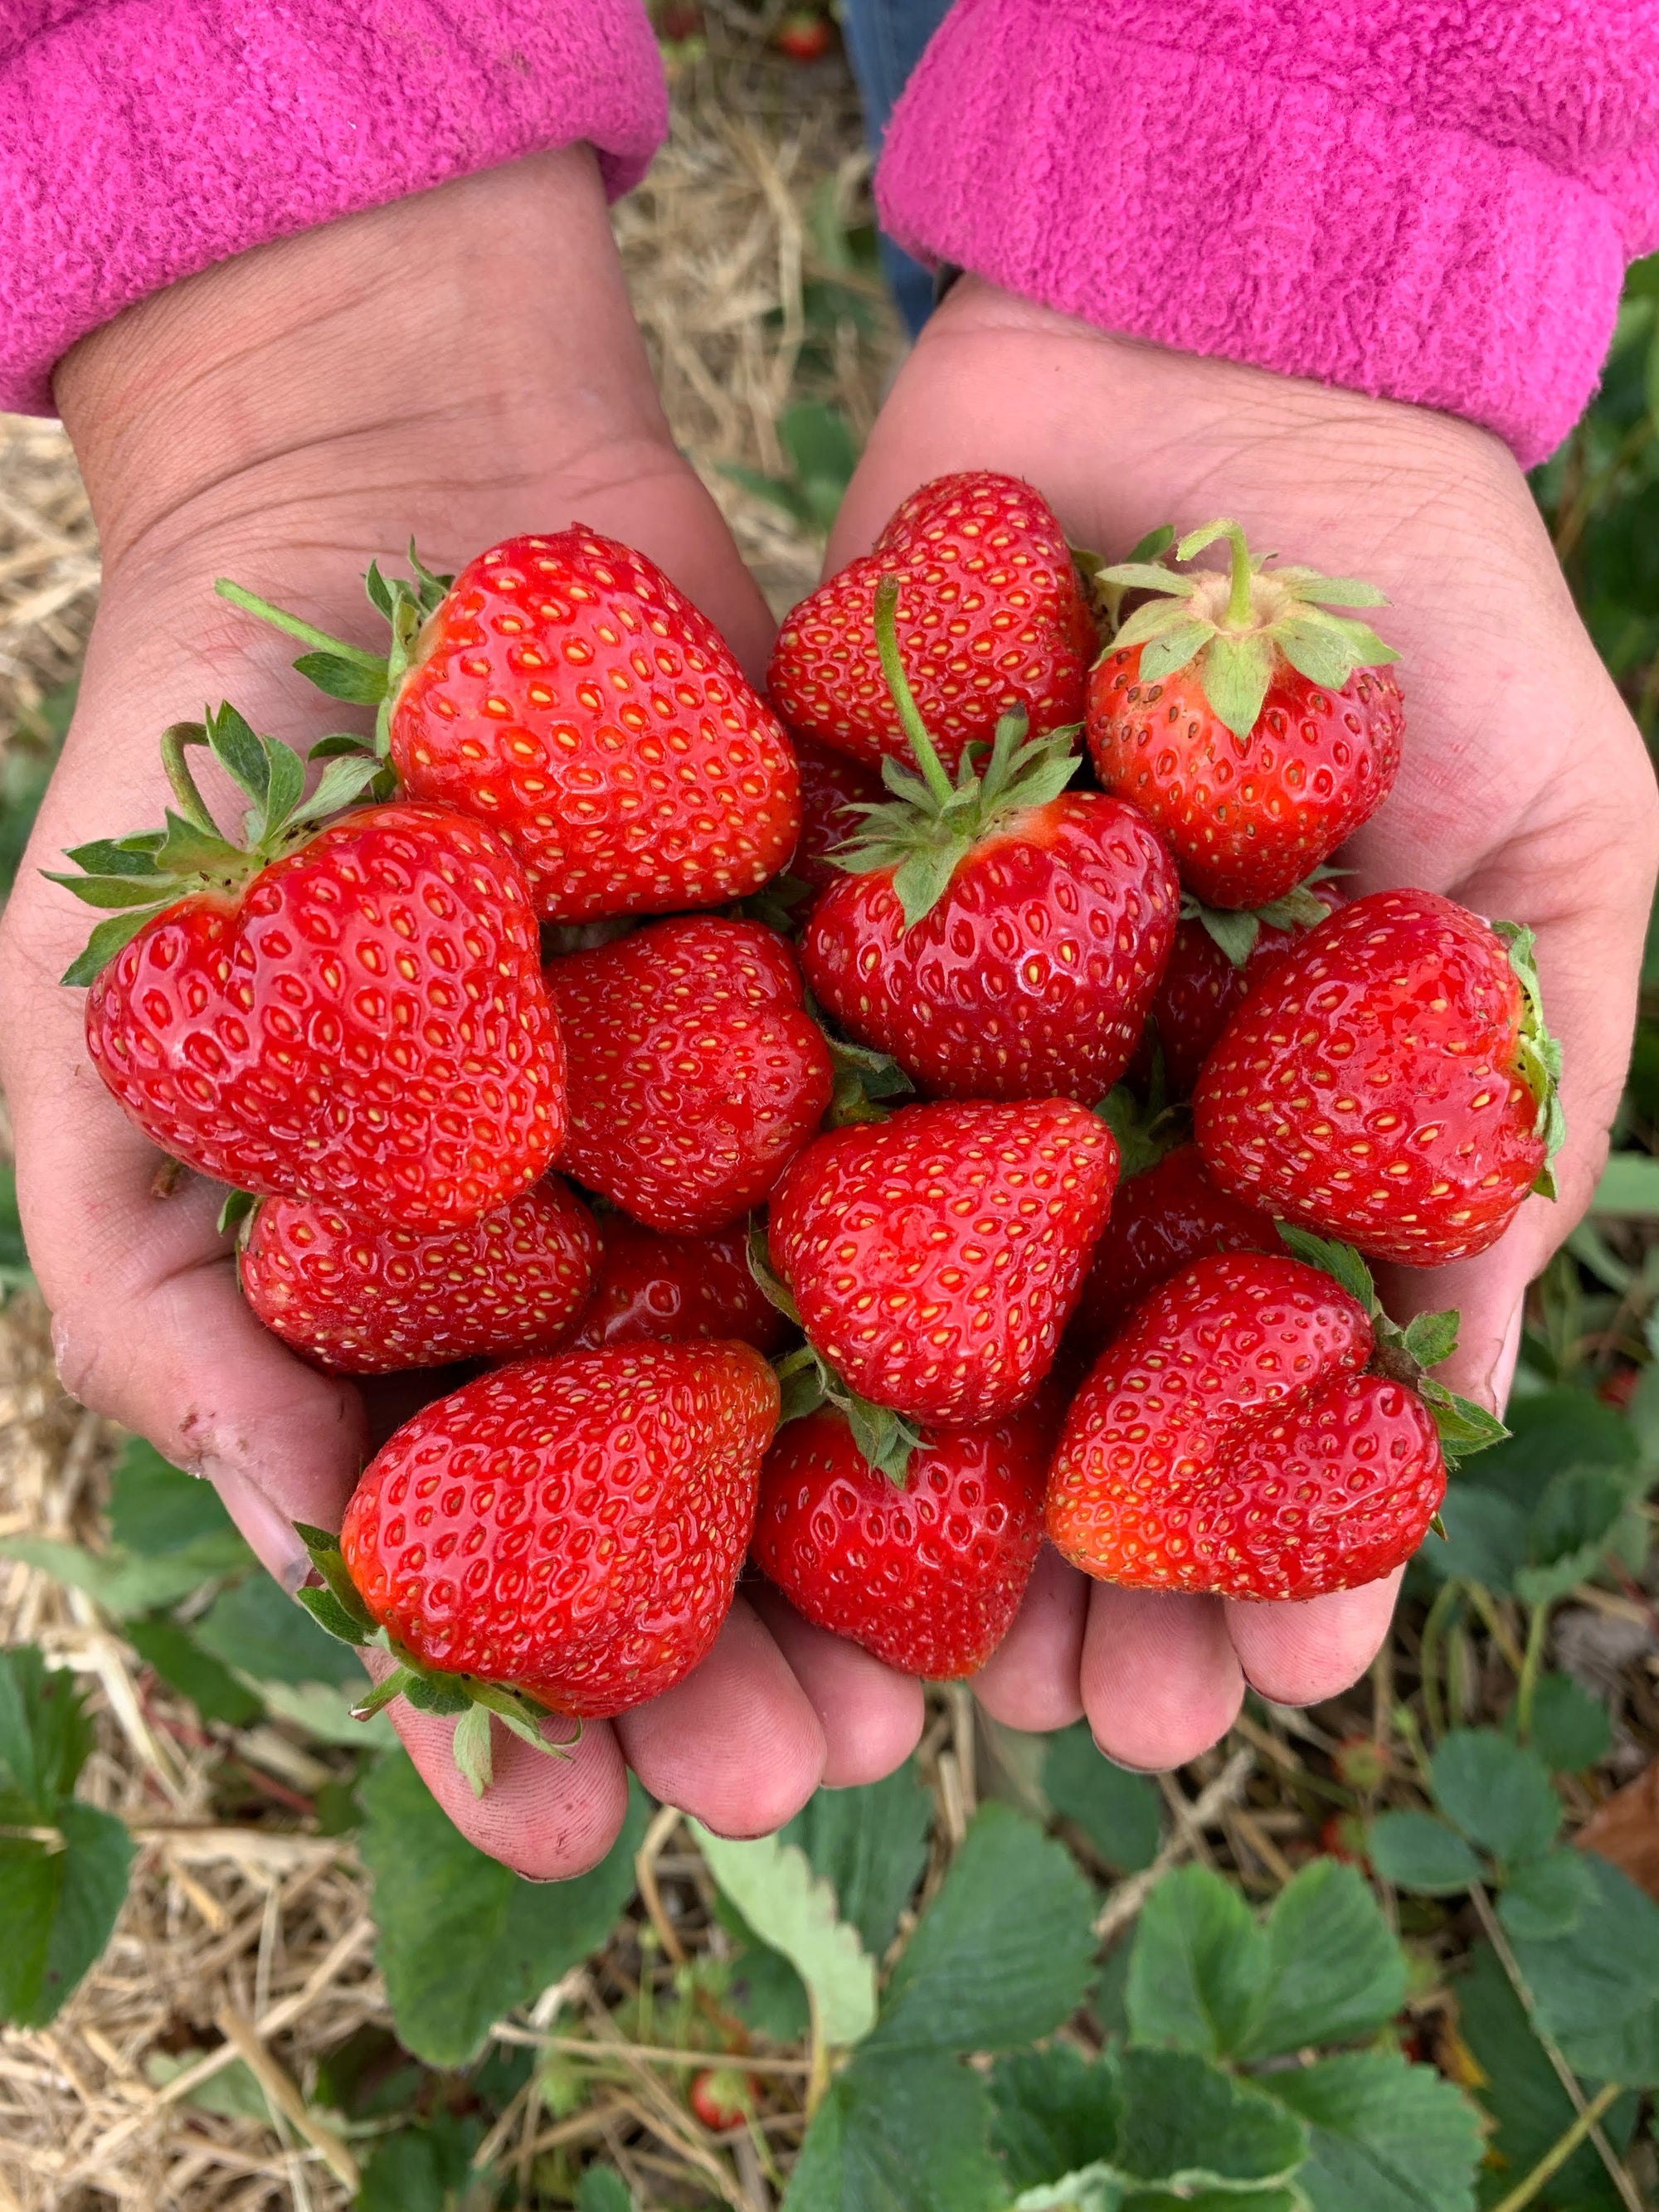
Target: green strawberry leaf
{"type": "Point", "coordinates": [1121, 1814]}
{"type": "Point", "coordinates": [327, 1610]}
{"type": "Point", "coordinates": [1548, 1896]}
{"type": "Point", "coordinates": [59, 1905]}
{"type": "Point", "coordinates": [1056, 2113]}
{"type": "Point", "coordinates": [1415, 1852]}
{"type": "Point", "coordinates": [329, 1562]}
{"type": "Point", "coordinates": [1431, 1337]}
{"type": "Point", "coordinates": [472, 1749]}
{"type": "Point", "coordinates": [1234, 931]}
{"type": "Point", "coordinates": [1199, 1969]}
{"type": "Point", "coordinates": [462, 1938]}
{"type": "Point", "coordinates": [792, 1909]}
{"type": "Point", "coordinates": [1496, 1792]}
{"type": "Point", "coordinates": [1465, 1428]}
{"type": "Point", "coordinates": [1336, 1972]}
{"type": "Point", "coordinates": [1005, 1952]}
{"type": "Point", "coordinates": [870, 1844]}
{"type": "Point", "coordinates": [898, 2132]}
{"type": "Point", "coordinates": [1187, 2125]}
{"type": "Point", "coordinates": [109, 938]}
{"type": "Point", "coordinates": [1382, 2136]}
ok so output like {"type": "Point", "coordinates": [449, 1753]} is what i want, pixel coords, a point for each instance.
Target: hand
{"type": "Point", "coordinates": [463, 366]}
{"type": "Point", "coordinates": [1525, 793]}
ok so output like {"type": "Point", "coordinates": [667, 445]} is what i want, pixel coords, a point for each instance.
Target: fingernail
{"type": "Point", "coordinates": [1124, 1766]}
{"type": "Point", "coordinates": [266, 1526]}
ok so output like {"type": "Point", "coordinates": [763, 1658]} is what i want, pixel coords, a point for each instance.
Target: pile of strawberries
{"type": "Point", "coordinates": [787, 1226]}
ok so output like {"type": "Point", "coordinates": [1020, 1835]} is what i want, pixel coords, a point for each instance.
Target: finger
{"type": "Point", "coordinates": [1300, 1654]}
{"type": "Point", "coordinates": [871, 1715]}
{"type": "Point", "coordinates": [1030, 1682]}
{"type": "Point", "coordinates": [547, 1818]}
{"type": "Point", "coordinates": [1161, 1680]}
{"type": "Point", "coordinates": [737, 1743]}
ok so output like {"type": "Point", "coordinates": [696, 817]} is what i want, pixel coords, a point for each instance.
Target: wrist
{"type": "Point", "coordinates": [417, 360]}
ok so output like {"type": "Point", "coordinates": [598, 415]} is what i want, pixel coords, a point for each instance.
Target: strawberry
{"type": "Point", "coordinates": [563, 1535]}
{"type": "Point", "coordinates": [999, 937]}
{"type": "Point", "coordinates": [1392, 1082]}
{"type": "Point", "coordinates": [934, 1259]}
{"type": "Point", "coordinates": [363, 1298]}
{"type": "Point", "coordinates": [1257, 729]}
{"type": "Point", "coordinates": [697, 1076]}
{"type": "Point", "coordinates": [803, 34]}
{"type": "Point", "coordinates": [353, 1015]}
{"type": "Point", "coordinates": [1205, 983]}
{"type": "Point", "coordinates": [561, 690]}
{"type": "Point", "coordinates": [722, 2097]}
{"type": "Point", "coordinates": [991, 616]}
{"type": "Point", "coordinates": [833, 789]}
{"type": "Point", "coordinates": [1260, 1429]}
{"type": "Point", "coordinates": [674, 1290]}
{"type": "Point", "coordinates": [1162, 1218]}
{"type": "Point", "coordinates": [927, 1574]}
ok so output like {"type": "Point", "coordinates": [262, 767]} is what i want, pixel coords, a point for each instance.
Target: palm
{"type": "Point", "coordinates": [1525, 793]}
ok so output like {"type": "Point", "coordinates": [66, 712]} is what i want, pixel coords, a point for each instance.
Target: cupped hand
{"type": "Point", "coordinates": [1525, 793]}
{"type": "Point", "coordinates": [463, 366]}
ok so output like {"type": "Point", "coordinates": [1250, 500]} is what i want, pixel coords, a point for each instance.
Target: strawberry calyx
{"type": "Point", "coordinates": [1538, 1055]}
{"type": "Point", "coordinates": [930, 825]}
{"type": "Point", "coordinates": [863, 1077]}
{"type": "Point", "coordinates": [349, 671]}
{"type": "Point", "coordinates": [140, 877]}
{"type": "Point", "coordinates": [1236, 929]}
{"type": "Point", "coordinates": [807, 1382]}
{"type": "Point", "coordinates": [336, 1605]}
{"type": "Point", "coordinates": [1404, 1355]}
{"type": "Point", "coordinates": [1236, 622]}
{"type": "Point", "coordinates": [1144, 1132]}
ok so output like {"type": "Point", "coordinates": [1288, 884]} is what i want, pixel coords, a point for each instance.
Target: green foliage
{"type": "Point", "coordinates": [604, 2190]}
{"type": "Point", "coordinates": [1499, 1795]}
{"type": "Point", "coordinates": [819, 458]}
{"type": "Point", "coordinates": [1415, 1852]}
{"type": "Point", "coordinates": [1004, 1952]}
{"type": "Point", "coordinates": [422, 2169]}
{"type": "Point", "coordinates": [1542, 1510]}
{"type": "Point", "coordinates": [1121, 1814]}
{"type": "Point", "coordinates": [179, 1660]}
{"type": "Point", "coordinates": [1523, 2094]}
{"type": "Point", "coordinates": [26, 766]}
{"type": "Point", "coordinates": [794, 1910]}
{"type": "Point", "coordinates": [259, 1631]}
{"type": "Point", "coordinates": [1571, 1729]}
{"type": "Point", "coordinates": [870, 1846]}
{"type": "Point", "coordinates": [1053, 2112]}
{"type": "Point", "coordinates": [898, 2132]}
{"type": "Point", "coordinates": [61, 1889]}
{"type": "Point", "coordinates": [1596, 1982]}
{"type": "Point", "coordinates": [1383, 2136]}
{"type": "Point", "coordinates": [462, 1939]}
{"type": "Point", "coordinates": [15, 1273]}
{"type": "Point", "coordinates": [1206, 1976]}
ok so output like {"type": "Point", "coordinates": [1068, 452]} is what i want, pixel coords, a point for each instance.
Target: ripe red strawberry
{"type": "Point", "coordinates": [1167, 1215]}
{"type": "Point", "coordinates": [935, 1257]}
{"type": "Point", "coordinates": [563, 1535]}
{"type": "Point", "coordinates": [673, 1290]}
{"type": "Point", "coordinates": [1001, 937]}
{"type": "Point", "coordinates": [564, 691]}
{"type": "Point", "coordinates": [832, 790]}
{"type": "Point", "coordinates": [697, 1076]}
{"type": "Point", "coordinates": [1257, 729]}
{"type": "Point", "coordinates": [1259, 1429]}
{"type": "Point", "coordinates": [991, 616]}
{"type": "Point", "coordinates": [353, 1015]}
{"type": "Point", "coordinates": [362, 1297]}
{"type": "Point", "coordinates": [804, 34]}
{"type": "Point", "coordinates": [929, 1575]}
{"type": "Point", "coordinates": [1392, 1083]}
{"type": "Point", "coordinates": [1203, 986]}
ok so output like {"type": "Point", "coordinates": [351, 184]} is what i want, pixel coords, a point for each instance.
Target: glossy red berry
{"type": "Point", "coordinates": [672, 1290]}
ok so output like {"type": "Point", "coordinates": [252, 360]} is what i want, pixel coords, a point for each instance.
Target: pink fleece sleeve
{"type": "Point", "coordinates": [1426, 200]}
{"type": "Point", "coordinates": [141, 140]}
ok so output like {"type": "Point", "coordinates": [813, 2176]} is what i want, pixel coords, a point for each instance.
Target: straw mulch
{"type": "Point", "coordinates": [257, 1935]}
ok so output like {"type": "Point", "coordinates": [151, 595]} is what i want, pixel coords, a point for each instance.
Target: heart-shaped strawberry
{"type": "Point", "coordinates": [353, 1015]}
{"type": "Point", "coordinates": [991, 616]}
{"type": "Point", "coordinates": [1260, 1430]}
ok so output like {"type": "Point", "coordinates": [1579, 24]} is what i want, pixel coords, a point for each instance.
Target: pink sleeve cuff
{"type": "Point", "coordinates": [1295, 195]}
{"type": "Point", "coordinates": [141, 139]}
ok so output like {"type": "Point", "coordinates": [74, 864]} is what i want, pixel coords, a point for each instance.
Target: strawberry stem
{"type": "Point", "coordinates": [1241, 602]}
{"type": "Point", "coordinates": [191, 804]}
{"type": "Point", "coordinates": [909, 714]}
{"type": "Point", "coordinates": [307, 632]}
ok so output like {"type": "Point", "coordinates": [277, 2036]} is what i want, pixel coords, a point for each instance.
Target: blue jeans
{"type": "Point", "coordinates": [884, 39]}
